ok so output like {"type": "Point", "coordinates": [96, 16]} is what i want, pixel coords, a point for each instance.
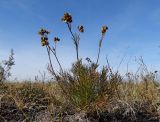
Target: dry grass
{"type": "Point", "coordinates": [119, 100]}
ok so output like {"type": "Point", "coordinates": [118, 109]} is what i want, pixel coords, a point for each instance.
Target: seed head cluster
{"type": "Point", "coordinates": [104, 29]}
{"type": "Point", "coordinates": [67, 18]}
{"type": "Point", "coordinates": [56, 39]}
{"type": "Point", "coordinates": [42, 32]}
{"type": "Point", "coordinates": [81, 28]}
{"type": "Point", "coordinates": [44, 39]}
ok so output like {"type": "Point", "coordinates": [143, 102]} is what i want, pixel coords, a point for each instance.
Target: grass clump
{"type": "Point", "coordinates": [82, 84]}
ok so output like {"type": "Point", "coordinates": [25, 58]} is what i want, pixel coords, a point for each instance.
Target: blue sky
{"type": "Point", "coordinates": [133, 31]}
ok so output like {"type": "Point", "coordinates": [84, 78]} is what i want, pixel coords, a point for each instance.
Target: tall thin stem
{"type": "Point", "coordinates": [56, 58]}
{"type": "Point", "coordinates": [48, 51]}
{"type": "Point", "coordinates": [75, 41]}
{"type": "Point", "coordinates": [99, 49]}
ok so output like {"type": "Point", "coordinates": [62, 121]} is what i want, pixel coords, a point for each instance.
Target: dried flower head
{"type": "Point", "coordinates": [44, 41]}
{"type": "Point", "coordinates": [89, 60]}
{"type": "Point", "coordinates": [42, 32]}
{"type": "Point", "coordinates": [67, 18]}
{"type": "Point", "coordinates": [81, 28]}
{"type": "Point", "coordinates": [104, 29]}
{"type": "Point", "coordinates": [56, 39]}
